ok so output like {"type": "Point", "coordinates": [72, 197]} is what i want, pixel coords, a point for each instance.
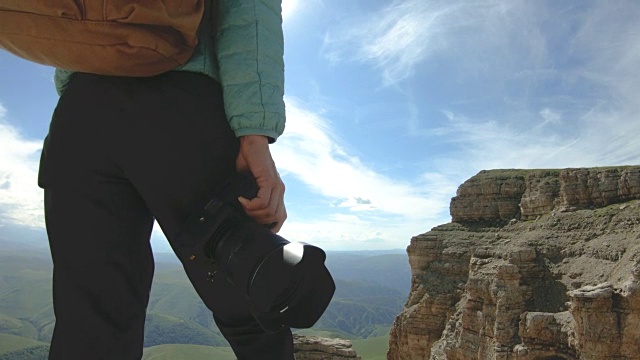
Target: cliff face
{"type": "Point", "coordinates": [537, 264]}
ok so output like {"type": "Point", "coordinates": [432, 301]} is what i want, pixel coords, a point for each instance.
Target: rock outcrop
{"type": "Point", "coordinates": [537, 264]}
{"type": "Point", "coordinates": [319, 348]}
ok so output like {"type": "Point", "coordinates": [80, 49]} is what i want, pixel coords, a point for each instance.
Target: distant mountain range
{"type": "Point", "coordinates": [371, 288]}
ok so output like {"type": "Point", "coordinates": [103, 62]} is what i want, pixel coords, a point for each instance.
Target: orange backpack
{"type": "Point", "coordinates": [108, 37]}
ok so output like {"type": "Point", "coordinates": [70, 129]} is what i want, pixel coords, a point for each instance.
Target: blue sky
{"type": "Point", "coordinates": [391, 105]}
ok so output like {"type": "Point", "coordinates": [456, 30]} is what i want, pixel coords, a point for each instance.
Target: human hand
{"type": "Point", "coordinates": [267, 207]}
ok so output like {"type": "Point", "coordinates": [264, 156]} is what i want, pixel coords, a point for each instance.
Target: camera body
{"type": "Point", "coordinates": [287, 283]}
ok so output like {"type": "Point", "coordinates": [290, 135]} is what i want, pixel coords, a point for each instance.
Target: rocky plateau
{"type": "Point", "coordinates": [535, 265]}
{"type": "Point", "coordinates": [319, 348]}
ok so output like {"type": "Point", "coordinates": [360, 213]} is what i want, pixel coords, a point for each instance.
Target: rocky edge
{"type": "Point", "coordinates": [535, 265]}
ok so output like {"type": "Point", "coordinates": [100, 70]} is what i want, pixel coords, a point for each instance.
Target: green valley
{"type": "Point", "coordinates": [369, 294]}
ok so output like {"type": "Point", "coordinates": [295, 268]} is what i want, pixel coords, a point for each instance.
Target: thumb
{"type": "Point", "coordinates": [243, 201]}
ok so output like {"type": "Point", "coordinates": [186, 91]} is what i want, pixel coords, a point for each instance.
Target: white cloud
{"type": "Point", "coordinates": [597, 138]}
{"type": "Point", "coordinates": [294, 11]}
{"type": "Point", "coordinates": [352, 233]}
{"type": "Point", "coordinates": [403, 35]}
{"type": "Point", "coordinates": [608, 45]}
{"type": "Point", "coordinates": [594, 119]}
{"type": "Point", "coordinates": [550, 117]}
{"type": "Point", "coordinates": [21, 201]}
{"type": "Point", "coordinates": [311, 152]}
{"type": "Point", "coordinates": [357, 204]}
{"type": "Point", "coordinates": [288, 8]}
{"type": "Point", "coordinates": [395, 40]}
{"type": "Point", "coordinates": [528, 84]}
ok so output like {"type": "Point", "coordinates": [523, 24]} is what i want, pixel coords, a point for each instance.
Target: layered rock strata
{"type": "Point", "coordinates": [527, 194]}
{"type": "Point", "coordinates": [319, 348]}
{"type": "Point", "coordinates": [537, 264]}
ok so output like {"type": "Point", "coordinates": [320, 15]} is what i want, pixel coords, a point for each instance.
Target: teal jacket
{"type": "Point", "coordinates": [246, 56]}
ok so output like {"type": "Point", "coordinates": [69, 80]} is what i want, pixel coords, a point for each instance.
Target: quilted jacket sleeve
{"type": "Point", "coordinates": [250, 50]}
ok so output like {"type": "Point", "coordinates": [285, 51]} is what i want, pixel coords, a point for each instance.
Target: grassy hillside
{"type": "Point", "coordinates": [360, 308]}
{"type": "Point", "coordinates": [373, 348]}
{"type": "Point", "coordinates": [32, 353]}
{"type": "Point", "coordinates": [25, 295]}
{"type": "Point", "coordinates": [390, 270]}
{"type": "Point", "coordinates": [173, 294]}
{"type": "Point", "coordinates": [368, 297]}
{"type": "Point", "coordinates": [187, 352]}
{"type": "Point", "coordinates": [13, 326]}
{"type": "Point", "coordinates": [164, 329]}
{"type": "Point", "coordinates": [10, 343]}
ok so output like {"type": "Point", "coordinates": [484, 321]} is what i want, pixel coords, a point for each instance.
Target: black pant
{"type": "Point", "coordinates": [121, 152]}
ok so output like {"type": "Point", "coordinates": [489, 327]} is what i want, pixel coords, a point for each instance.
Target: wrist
{"type": "Point", "coordinates": [250, 140]}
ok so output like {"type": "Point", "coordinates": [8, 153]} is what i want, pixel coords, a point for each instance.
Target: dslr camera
{"type": "Point", "coordinates": [286, 283]}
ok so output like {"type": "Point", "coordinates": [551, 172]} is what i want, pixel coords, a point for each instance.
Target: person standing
{"type": "Point", "coordinates": [123, 151]}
